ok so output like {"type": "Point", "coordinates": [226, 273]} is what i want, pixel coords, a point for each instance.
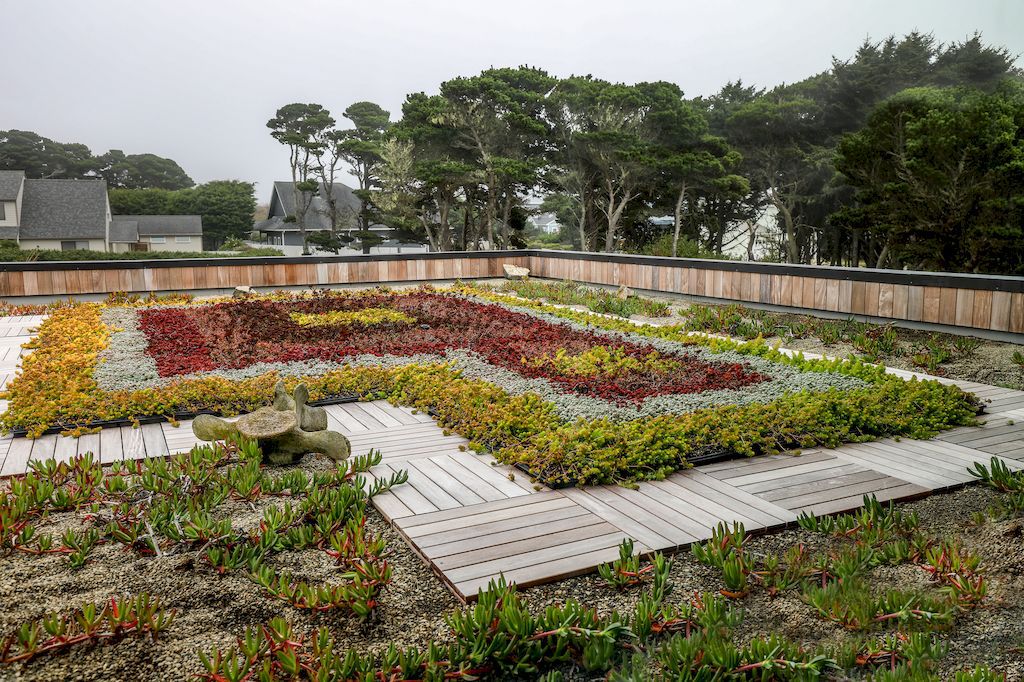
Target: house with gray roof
{"type": "Point", "coordinates": [158, 232]}
{"type": "Point", "coordinates": [75, 214]}
{"type": "Point", "coordinates": [280, 228]}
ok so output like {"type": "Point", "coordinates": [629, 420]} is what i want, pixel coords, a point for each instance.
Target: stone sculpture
{"type": "Point", "coordinates": [284, 432]}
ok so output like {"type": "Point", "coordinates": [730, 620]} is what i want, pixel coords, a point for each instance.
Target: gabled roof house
{"type": "Point", "coordinates": [282, 232]}
{"type": "Point", "coordinates": [75, 214]}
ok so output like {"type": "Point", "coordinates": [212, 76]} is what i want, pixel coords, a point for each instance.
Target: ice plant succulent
{"type": "Point", "coordinates": [140, 615]}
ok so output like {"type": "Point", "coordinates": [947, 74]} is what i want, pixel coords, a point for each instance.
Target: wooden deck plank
{"type": "Point", "coordinates": [558, 569]}
{"type": "Point", "coordinates": [153, 436]}
{"type": "Point", "coordinates": [631, 527]}
{"type": "Point", "coordinates": [484, 555]}
{"type": "Point", "coordinates": [506, 564]}
{"type": "Point", "coordinates": [991, 428]}
{"type": "Point", "coordinates": [403, 414]}
{"type": "Point", "coordinates": [966, 457]}
{"type": "Point", "coordinates": [400, 439]}
{"type": "Point", "coordinates": [521, 503]}
{"type": "Point", "coordinates": [18, 454]}
{"type": "Point", "coordinates": [359, 413]}
{"type": "Point", "coordinates": [430, 524]}
{"type": "Point", "coordinates": [497, 476]}
{"type": "Point", "coordinates": [782, 473]}
{"type": "Point", "coordinates": [111, 449]}
{"type": "Point", "coordinates": [845, 504]}
{"type": "Point", "coordinates": [5, 446]}
{"type": "Point", "coordinates": [1005, 404]}
{"type": "Point", "coordinates": [66, 449]}
{"type": "Point", "coordinates": [752, 505]}
{"type": "Point", "coordinates": [781, 496]}
{"type": "Point", "coordinates": [460, 490]}
{"type": "Point", "coordinates": [553, 522]}
{"type": "Point", "coordinates": [381, 415]}
{"type": "Point", "coordinates": [1014, 436]}
{"type": "Point", "coordinates": [478, 483]}
{"type": "Point", "coordinates": [399, 434]}
{"type": "Point", "coordinates": [411, 497]}
{"type": "Point", "coordinates": [644, 514]}
{"type": "Point", "coordinates": [881, 462]}
{"type": "Point", "coordinates": [482, 533]}
{"type": "Point", "coordinates": [44, 447]}
{"type": "Point", "coordinates": [341, 420]}
{"type": "Point", "coordinates": [430, 490]}
{"type": "Point", "coordinates": [1006, 450]}
{"type": "Point", "coordinates": [934, 461]}
{"type": "Point", "coordinates": [132, 444]}
{"type": "Point", "coordinates": [809, 477]}
{"type": "Point", "coordinates": [387, 503]}
{"type": "Point", "coordinates": [707, 500]}
{"type": "Point", "coordinates": [752, 465]}
{"type": "Point", "coordinates": [90, 442]}
{"type": "Point", "coordinates": [858, 489]}
{"type": "Point", "coordinates": [671, 518]}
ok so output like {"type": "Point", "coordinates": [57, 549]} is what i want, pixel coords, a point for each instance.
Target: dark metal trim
{"type": "Point", "coordinates": [953, 280]}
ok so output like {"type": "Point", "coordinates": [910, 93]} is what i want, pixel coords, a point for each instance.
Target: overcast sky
{"type": "Point", "coordinates": [196, 80]}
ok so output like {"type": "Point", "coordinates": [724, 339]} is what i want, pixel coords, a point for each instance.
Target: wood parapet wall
{"type": "Point", "coordinates": [989, 302]}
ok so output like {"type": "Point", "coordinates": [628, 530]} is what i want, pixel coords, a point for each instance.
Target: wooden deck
{"type": "Point", "coordinates": [472, 519]}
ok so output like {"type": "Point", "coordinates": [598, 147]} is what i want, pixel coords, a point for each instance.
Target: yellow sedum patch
{"type": "Point", "coordinates": [366, 316]}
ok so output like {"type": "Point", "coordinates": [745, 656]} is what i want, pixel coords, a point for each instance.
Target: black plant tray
{"type": "Point", "coordinates": [177, 416]}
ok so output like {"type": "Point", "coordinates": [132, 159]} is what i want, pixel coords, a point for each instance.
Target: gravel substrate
{"type": "Point", "coordinates": [213, 610]}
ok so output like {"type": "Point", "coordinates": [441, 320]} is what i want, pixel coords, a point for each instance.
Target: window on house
{"type": "Point", "coordinates": [3, 210]}
{"type": "Point", "coordinates": [183, 240]}
{"type": "Point", "coordinates": [72, 245]}
{"type": "Point", "coordinates": [157, 240]}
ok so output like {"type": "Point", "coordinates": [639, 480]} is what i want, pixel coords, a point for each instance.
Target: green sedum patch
{"type": "Point", "coordinates": [603, 361]}
{"type": "Point", "coordinates": [366, 316]}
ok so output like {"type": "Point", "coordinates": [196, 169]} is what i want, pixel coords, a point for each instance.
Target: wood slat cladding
{"type": "Point", "coordinates": [963, 307]}
{"type": "Point", "coordinates": [973, 301]}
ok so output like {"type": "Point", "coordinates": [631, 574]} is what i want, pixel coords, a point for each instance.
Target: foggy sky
{"type": "Point", "coordinates": [197, 80]}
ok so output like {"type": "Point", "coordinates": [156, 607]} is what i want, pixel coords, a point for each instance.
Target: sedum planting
{"type": "Point", "coordinates": [573, 397]}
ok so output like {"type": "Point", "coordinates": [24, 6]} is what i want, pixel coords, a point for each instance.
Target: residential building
{"type": "Point", "coordinates": [75, 214]}
{"type": "Point", "coordinates": [156, 233]}
{"type": "Point", "coordinates": [279, 230]}
{"type": "Point", "coordinates": [545, 222]}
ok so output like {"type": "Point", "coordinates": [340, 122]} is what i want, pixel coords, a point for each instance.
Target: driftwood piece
{"type": "Point", "coordinates": [283, 432]}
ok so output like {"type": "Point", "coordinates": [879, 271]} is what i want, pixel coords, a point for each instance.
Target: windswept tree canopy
{"type": "Point", "coordinates": [818, 171]}
{"type": "Point", "coordinates": [41, 157]}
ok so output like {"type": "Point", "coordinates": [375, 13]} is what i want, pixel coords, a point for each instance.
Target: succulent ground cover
{"type": "Point", "coordinates": [595, 300]}
{"type": "Point", "coordinates": [571, 396]}
{"type": "Point", "coordinates": [236, 572]}
{"type": "Point", "coordinates": [937, 353]}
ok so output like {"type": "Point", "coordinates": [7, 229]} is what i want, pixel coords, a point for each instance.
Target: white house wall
{"type": "Point", "coordinates": [94, 244]}
{"type": "Point", "coordinates": [169, 244]}
{"type": "Point", "coordinates": [10, 214]}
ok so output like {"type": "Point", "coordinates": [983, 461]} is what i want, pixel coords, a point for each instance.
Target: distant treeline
{"type": "Point", "coordinates": [909, 154]}
{"type": "Point", "coordinates": [139, 183]}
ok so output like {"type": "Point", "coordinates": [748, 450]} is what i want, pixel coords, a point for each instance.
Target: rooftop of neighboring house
{"type": "Point", "coordinates": [282, 205]}
{"type": "Point", "coordinates": [64, 209]}
{"type": "Point", "coordinates": [10, 184]}
{"type": "Point", "coordinates": [161, 225]}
